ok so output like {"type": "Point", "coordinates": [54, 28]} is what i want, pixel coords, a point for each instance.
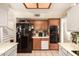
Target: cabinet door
{"type": "Point", "coordinates": [73, 19]}
{"type": "Point", "coordinates": [3, 17]}
{"type": "Point", "coordinates": [62, 51]}
{"type": "Point", "coordinates": [2, 55]}
{"type": "Point", "coordinates": [69, 54]}
{"type": "Point", "coordinates": [11, 24]}
{"type": "Point", "coordinates": [54, 21]}
{"type": "Point", "coordinates": [36, 43]}
{"type": "Point", "coordinates": [54, 46]}
{"type": "Point", "coordinates": [11, 20]}
{"type": "Point", "coordinates": [11, 52]}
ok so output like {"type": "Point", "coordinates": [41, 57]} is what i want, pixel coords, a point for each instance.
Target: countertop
{"type": "Point", "coordinates": [6, 46]}
{"type": "Point", "coordinates": [69, 47]}
{"type": "Point", "coordinates": [40, 37]}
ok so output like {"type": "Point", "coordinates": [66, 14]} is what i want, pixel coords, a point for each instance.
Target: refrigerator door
{"type": "Point", "coordinates": [24, 38]}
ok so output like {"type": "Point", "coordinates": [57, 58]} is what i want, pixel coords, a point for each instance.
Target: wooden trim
{"type": "Point", "coordinates": [24, 5]}
{"type": "Point", "coordinates": [53, 18]}
{"type": "Point", "coordinates": [49, 5]}
{"type": "Point", "coordinates": [59, 30]}
{"type": "Point", "coordinates": [37, 6]}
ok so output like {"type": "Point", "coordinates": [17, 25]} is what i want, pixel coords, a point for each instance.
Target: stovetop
{"type": "Point", "coordinates": [76, 52]}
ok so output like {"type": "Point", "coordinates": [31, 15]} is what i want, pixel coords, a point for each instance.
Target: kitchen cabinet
{"type": "Point", "coordinates": [11, 24]}
{"type": "Point", "coordinates": [2, 54]}
{"type": "Point", "coordinates": [40, 25]}
{"type": "Point", "coordinates": [11, 21]}
{"type": "Point", "coordinates": [36, 43]}
{"type": "Point", "coordinates": [40, 43]}
{"type": "Point", "coordinates": [3, 17]}
{"type": "Point", "coordinates": [54, 46]}
{"type": "Point", "coordinates": [8, 49]}
{"type": "Point", "coordinates": [7, 17]}
{"type": "Point", "coordinates": [54, 21]}
{"type": "Point", "coordinates": [7, 20]}
{"type": "Point", "coordinates": [73, 19]}
{"type": "Point", "coordinates": [11, 52]}
{"type": "Point", "coordinates": [63, 52]}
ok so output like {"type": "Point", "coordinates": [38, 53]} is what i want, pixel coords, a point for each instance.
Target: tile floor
{"type": "Point", "coordinates": [40, 53]}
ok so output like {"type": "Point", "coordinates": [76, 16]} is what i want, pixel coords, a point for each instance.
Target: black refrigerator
{"type": "Point", "coordinates": [54, 35]}
{"type": "Point", "coordinates": [24, 38]}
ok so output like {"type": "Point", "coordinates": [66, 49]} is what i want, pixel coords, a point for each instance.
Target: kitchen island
{"type": "Point", "coordinates": [8, 49]}
{"type": "Point", "coordinates": [65, 49]}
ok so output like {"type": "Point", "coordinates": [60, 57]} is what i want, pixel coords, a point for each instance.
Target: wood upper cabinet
{"type": "Point", "coordinates": [36, 43]}
{"type": "Point", "coordinates": [40, 24]}
{"type": "Point", "coordinates": [45, 25]}
{"type": "Point", "coordinates": [54, 21]}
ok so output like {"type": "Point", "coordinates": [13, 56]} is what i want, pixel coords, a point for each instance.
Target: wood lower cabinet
{"type": "Point", "coordinates": [54, 46]}
{"type": "Point", "coordinates": [36, 43]}
{"type": "Point", "coordinates": [64, 52]}
{"type": "Point", "coordinates": [40, 43]}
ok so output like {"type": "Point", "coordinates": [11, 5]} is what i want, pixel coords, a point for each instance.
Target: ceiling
{"type": "Point", "coordinates": [56, 10]}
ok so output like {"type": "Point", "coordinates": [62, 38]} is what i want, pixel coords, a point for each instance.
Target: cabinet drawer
{"type": "Point", "coordinates": [64, 51]}
{"type": "Point", "coordinates": [2, 54]}
{"type": "Point", "coordinates": [36, 43]}
{"type": "Point", "coordinates": [69, 54]}
{"type": "Point", "coordinates": [13, 53]}
{"type": "Point", "coordinates": [10, 51]}
{"type": "Point", "coordinates": [54, 46]}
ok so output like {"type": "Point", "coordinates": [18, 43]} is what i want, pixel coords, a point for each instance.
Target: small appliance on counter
{"type": "Point", "coordinates": [42, 34]}
{"type": "Point", "coordinates": [75, 37]}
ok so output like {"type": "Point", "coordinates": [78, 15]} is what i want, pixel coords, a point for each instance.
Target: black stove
{"type": "Point", "coordinates": [76, 52]}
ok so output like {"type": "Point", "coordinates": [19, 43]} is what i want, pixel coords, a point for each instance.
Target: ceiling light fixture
{"type": "Point", "coordinates": [37, 5]}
